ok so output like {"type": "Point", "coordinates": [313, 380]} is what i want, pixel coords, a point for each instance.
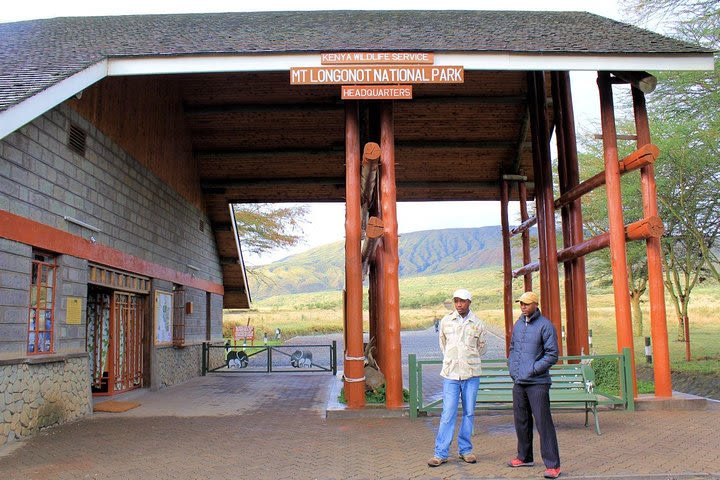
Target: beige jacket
{"type": "Point", "coordinates": [462, 342]}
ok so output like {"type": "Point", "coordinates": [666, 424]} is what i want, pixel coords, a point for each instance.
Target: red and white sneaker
{"type": "Point", "coordinates": [516, 462]}
{"type": "Point", "coordinates": [552, 473]}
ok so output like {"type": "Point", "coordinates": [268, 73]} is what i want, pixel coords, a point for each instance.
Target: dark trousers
{"type": "Point", "coordinates": [533, 401]}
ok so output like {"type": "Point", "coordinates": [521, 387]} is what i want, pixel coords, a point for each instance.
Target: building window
{"type": "Point", "coordinates": [41, 315]}
{"type": "Point", "coordinates": [178, 316]}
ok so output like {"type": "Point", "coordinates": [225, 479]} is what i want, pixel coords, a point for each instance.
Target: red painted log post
{"type": "Point", "coordinates": [618, 255]}
{"type": "Point", "coordinates": [354, 368]}
{"type": "Point", "coordinates": [391, 316]}
{"type": "Point", "coordinates": [658, 321]}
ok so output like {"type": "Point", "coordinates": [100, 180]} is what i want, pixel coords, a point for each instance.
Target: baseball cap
{"type": "Point", "coordinates": [528, 298]}
{"type": "Point", "coordinates": [463, 294]}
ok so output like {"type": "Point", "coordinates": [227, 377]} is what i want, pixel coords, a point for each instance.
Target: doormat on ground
{"type": "Point", "coordinates": [113, 406]}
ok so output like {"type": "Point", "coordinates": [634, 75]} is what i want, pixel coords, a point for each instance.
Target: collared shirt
{"type": "Point", "coordinates": [462, 342]}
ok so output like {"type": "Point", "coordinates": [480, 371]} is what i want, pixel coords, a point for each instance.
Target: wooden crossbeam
{"type": "Point", "coordinates": [651, 227]}
{"type": "Point", "coordinates": [526, 225]}
{"type": "Point", "coordinates": [374, 230]}
{"type": "Point", "coordinates": [645, 155]}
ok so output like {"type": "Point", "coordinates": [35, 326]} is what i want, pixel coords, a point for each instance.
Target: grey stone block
{"type": "Point", "coordinates": [13, 332]}
{"type": "Point", "coordinates": [14, 280]}
{"type": "Point", "coordinates": [13, 315]}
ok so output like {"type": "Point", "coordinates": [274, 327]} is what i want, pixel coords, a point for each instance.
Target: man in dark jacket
{"type": "Point", "coordinates": [533, 350]}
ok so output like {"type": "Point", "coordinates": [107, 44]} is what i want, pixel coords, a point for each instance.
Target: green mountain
{"type": "Point", "coordinates": [428, 252]}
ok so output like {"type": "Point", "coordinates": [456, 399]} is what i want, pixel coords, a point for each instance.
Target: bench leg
{"type": "Point", "coordinates": [597, 422]}
{"type": "Point", "coordinates": [587, 409]}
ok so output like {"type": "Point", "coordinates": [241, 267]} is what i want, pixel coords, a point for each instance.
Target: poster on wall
{"type": "Point", "coordinates": [163, 317]}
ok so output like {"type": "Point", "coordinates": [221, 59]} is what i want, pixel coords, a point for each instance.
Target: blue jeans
{"type": "Point", "coordinates": [452, 391]}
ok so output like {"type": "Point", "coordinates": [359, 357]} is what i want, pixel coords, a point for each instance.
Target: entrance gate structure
{"type": "Point", "coordinates": [393, 106]}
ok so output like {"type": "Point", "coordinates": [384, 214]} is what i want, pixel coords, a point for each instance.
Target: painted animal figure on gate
{"type": "Point", "coordinates": [235, 359]}
{"type": "Point", "coordinates": [301, 359]}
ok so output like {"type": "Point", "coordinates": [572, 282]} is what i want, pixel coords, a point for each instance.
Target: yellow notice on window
{"type": "Point", "coordinates": [74, 311]}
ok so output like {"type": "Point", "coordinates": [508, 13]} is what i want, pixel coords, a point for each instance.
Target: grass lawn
{"type": "Point", "coordinates": [422, 300]}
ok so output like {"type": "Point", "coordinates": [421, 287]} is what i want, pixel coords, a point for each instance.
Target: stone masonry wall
{"type": "Point", "coordinates": [216, 313]}
{"type": "Point", "coordinates": [36, 396]}
{"type": "Point", "coordinates": [43, 180]}
{"type": "Point", "coordinates": [177, 365]}
{"type": "Point", "coordinates": [15, 265]}
{"type": "Point", "coordinates": [72, 282]}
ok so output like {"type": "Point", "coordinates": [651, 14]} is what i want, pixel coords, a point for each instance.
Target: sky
{"type": "Point", "coordinates": [326, 221]}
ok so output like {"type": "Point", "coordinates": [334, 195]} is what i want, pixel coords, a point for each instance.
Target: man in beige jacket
{"type": "Point", "coordinates": [462, 342]}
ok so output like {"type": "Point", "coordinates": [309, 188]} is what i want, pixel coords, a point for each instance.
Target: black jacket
{"type": "Point", "coordinates": [533, 349]}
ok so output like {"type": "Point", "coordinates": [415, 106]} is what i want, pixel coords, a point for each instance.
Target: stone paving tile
{"type": "Point", "coordinates": [272, 426]}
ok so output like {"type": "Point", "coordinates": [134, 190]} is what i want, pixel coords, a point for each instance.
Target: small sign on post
{"type": "Point", "coordinates": [244, 333]}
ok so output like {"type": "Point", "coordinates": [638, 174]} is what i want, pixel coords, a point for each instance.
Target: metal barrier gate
{"type": "Point", "coordinates": [269, 359]}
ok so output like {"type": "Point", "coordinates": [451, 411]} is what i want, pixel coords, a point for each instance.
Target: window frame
{"type": "Point", "coordinates": [49, 262]}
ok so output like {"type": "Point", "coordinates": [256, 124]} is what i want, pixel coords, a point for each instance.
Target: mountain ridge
{"type": "Point", "coordinates": [425, 252]}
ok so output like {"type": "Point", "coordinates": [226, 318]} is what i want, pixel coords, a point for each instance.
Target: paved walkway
{"type": "Point", "coordinates": [273, 426]}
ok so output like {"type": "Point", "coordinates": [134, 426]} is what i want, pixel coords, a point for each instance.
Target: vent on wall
{"type": "Point", "coordinates": [77, 137]}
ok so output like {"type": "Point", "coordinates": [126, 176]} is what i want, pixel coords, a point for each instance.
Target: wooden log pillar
{"type": "Point", "coordinates": [565, 211]}
{"type": "Point", "coordinates": [375, 281]}
{"type": "Point", "coordinates": [507, 262]}
{"type": "Point", "coordinates": [618, 254]}
{"type": "Point", "coordinates": [381, 338]}
{"type": "Point", "coordinates": [354, 368]}
{"type": "Point", "coordinates": [577, 333]}
{"type": "Point", "coordinates": [542, 167]}
{"type": "Point", "coordinates": [658, 320]}
{"type": "Point", "coordinates": [527, 278]}
{"type": "Point", "coordinates": [391, 312]}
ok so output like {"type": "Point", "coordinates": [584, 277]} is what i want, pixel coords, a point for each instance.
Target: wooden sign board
{"type": "Point", "coordinates": [244, 332]}
{"type": "Point", "coordinates": [376, 92]}
{"type": "Point", "coordinates": [358, 58]}
{"type": "Point", "coordinates": [376, 75]}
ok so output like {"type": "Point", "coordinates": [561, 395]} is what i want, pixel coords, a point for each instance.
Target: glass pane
{"type": "Point", "coordinates": [42, 339]}
{"type": "Point", "coordinates": [33, 313]}
{"type": "Point", "coordinates": [44, 270]}
{"type": "Point", "coordinates": [48, 336]}
{"type": "Point", "coordinates": [34, 273]}
{"type": "Point", "coordinates": [50, 277]}
{"type": "Point", "coordinates": [48, 320]}
{"type": "Point", "coordinates": [46, 296]}
{"type": "Point", "coordinates": [33, 296]}
{"type": "Point", "coordinates": [31, 343]}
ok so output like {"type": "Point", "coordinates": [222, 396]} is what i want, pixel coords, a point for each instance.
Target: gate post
{"type": "Point", "coordinates": [333, 357]}
{"type": "Point", "coordinates": [204, 358]}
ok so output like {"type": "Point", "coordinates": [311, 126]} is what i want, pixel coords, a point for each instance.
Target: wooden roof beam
{"type": "Point", "coordinates": [419, 144]}
{"type": "Point", "coordinates": [339, 105]}
{"type": "Point", "coordinates": [218, 187]}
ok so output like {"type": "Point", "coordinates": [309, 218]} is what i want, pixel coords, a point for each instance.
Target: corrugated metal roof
{"type": "Point", "coordinates": [36, 54]}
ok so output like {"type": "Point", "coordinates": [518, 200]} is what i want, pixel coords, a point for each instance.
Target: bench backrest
{"type": "Point", "coordinates": [496, 376]}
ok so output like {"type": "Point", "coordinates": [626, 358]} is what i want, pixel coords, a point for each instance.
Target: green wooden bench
{"type": "Point", "coordinates": [572, 387]}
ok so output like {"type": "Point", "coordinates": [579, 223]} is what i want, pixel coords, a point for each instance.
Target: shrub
{"type": "Point", "coordinates": [374, 396]}
{"type": "Point", "coordinates": [607, 376]}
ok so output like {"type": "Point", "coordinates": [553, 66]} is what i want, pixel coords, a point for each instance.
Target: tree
{"type": "Point", "coordinates": [265, 227]}
{"type": "Point", "coordinates": [685, 122]}
{"type": "Point", "coordinates": [690, 207]}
